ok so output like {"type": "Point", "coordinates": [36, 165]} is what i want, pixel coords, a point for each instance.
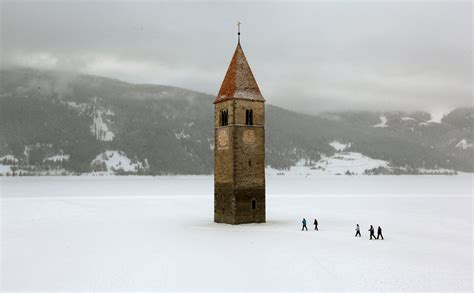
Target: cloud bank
{"type": "Point", "coordinates": [306, 56]}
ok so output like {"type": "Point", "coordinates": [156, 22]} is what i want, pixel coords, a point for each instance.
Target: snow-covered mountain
{"type": "Point", "coordinates": [60, 123]}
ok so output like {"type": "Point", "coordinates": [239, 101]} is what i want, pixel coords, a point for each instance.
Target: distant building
{"type": "Point", "coordinates": [239, 146]}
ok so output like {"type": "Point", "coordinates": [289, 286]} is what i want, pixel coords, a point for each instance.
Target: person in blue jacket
{"type": "Point", "coordinates": [304, 225]}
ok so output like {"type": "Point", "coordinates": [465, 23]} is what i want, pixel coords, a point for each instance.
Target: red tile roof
{"type": "Point", "coordinates": [239, 82]}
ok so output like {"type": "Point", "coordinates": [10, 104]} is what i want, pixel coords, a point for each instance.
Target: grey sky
{"type": "Point", "coordinates": [306, 56]}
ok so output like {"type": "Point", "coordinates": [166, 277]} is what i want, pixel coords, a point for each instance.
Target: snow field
{"type": "Point", "coordinates": [145, 233]}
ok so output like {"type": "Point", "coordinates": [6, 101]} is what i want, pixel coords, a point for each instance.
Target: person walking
{"type": "Point", "coordinates": [304, 225]}
{"type": "Point", "coordinates": [371, 230]}
{"type": "Point", "coordinates": [357, 230]}
{"type": "Point", "coordinates": [379, 233]}
{"type": "Point", "coordinates": [316, 225]}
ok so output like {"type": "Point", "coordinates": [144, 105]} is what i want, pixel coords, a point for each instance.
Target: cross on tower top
{"type": "Point", "coordinates": [238, 29]}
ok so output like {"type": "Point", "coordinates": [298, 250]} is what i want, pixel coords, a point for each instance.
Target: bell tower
{"type": "Point", "coordinates": [239, 146]}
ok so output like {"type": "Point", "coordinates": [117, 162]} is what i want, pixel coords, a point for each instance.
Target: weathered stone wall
{"type": "Point", "coordinates": [257, 107]}
{"type": "Point", "coordinates": [223, 155]}
{"type": "Point", "coordinates": [244, 212]}
{"type": "Point", "coordinates": [239, 164]}
{"type": "Point", "coordinates": [223, 165]}
{"type": "Point", "coordinates": [234, 205]}
{"type": "Point", "coordinates": [249, 156]}
{"type": "Point", "coordinates": [224, 202]}
{"type": "Point", "coordinates": [222, 106]}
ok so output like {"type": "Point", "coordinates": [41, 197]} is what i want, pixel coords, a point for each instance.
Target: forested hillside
{"type": "Point", "coordinates": [81, 123]}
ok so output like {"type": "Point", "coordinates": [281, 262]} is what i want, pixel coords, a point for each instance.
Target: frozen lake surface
{"type": "Point", "coordinates": [157, 233]}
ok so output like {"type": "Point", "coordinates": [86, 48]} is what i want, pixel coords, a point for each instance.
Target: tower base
{"type": "Point", "coordinates": [239, 205]}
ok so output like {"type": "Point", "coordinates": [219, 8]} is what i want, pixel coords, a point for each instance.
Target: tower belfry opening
{"type": "Point", "coordinates": [239, 145]}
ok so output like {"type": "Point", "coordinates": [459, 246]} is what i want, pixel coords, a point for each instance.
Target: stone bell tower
{"type": "Point", "coordinates": [239, 146]}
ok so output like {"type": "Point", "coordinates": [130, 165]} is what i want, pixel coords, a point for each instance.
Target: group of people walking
{"type": "Point", "coordinates": [315, 225]}
{"type": "Point", "coordinates": [371, 229]}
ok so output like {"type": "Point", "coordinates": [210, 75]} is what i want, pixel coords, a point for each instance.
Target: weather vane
{"type": "Point", "coordinates": [238, 27]}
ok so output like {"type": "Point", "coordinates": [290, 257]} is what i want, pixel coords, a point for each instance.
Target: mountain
{"type": "Point", "coordinates": [54, 122]}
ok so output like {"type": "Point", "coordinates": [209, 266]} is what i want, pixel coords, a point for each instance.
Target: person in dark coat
{"type": "Point", "coordinates": [371, 230]}
{"type": "Point", "coordinates": [316, 225]}
{"type": "Point", "coordinates": [304, 225]}
{"type": "Point", "coordinates": [357, 230]}
{"type": "Point", "coordinates": [379, 233]}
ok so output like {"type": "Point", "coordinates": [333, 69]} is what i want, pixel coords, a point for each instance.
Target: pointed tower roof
{"type": "Point", "coordinates": [239, 82]}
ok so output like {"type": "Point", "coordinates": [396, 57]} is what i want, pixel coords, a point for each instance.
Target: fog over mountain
{"type": "Point", "coordinates": [56, 122]}
{"type": "Point", "coordinates": [307, 56]}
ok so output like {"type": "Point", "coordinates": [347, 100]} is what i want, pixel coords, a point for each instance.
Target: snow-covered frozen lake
{"type": "Point", "coordinates": [145, 233]}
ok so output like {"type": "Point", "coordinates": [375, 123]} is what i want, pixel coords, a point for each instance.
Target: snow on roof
{"type": "Point", "coordinates": [239, 82]}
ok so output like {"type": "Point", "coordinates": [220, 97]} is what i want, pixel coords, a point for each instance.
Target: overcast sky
{"type": "Point", "coordinates": [306, 56]}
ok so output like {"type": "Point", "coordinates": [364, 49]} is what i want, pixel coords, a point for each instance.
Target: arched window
{"type": "Point", "coordinates": [224, 118]}
{"type": "Point", "coordinates": [254, 204]}
{"type": "Point", "coordinates": [248, 117]}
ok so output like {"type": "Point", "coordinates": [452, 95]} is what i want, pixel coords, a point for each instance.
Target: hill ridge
{"type": "Point", "coordinates": [168, 130]}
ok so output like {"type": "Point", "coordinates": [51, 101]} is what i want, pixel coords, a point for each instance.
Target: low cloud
{"type": "Point", "coordinates": [310, 57]}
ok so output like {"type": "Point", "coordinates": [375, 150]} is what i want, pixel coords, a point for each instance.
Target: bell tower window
{"type": "Point", "coordinates": [248, 117]}
{"type": "Point", "coordinates": [224, 118]}
{"type": "Point", "coordinates": [254, 204]}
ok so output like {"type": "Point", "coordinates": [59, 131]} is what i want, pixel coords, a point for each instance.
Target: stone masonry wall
{"type": "Point", "coordinates": [239, 172]}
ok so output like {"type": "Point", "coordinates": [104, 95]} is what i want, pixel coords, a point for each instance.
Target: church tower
{"type": "Point", "coordinates": [239, 146]}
